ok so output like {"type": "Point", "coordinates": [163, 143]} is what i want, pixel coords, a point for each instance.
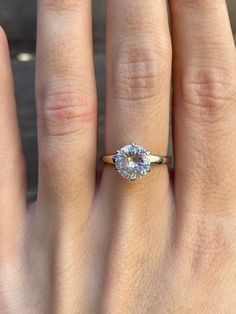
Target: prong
{"type": "Point", "coordinates": [114, 159]}
{"type": "Point", "coordinates": [148, 153]}
{"type": "Point", "coordinates": [117, 151]}
{"type": "Point", "coordinates": [133, 144]}
{"type": "Point", "coordinates": [116, 169]}
{"type": "Point", "coordinates": [133, 179]}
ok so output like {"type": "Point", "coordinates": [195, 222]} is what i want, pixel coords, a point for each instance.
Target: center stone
{"type": "Point", "coordinates": [132, 161]}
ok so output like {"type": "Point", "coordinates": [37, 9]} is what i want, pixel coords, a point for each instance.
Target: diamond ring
{"type": "Point", "coordinates": [133, 161]}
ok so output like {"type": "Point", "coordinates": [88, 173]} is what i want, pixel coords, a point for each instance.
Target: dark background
{"type": "Point", "coordinates": [18, 18]}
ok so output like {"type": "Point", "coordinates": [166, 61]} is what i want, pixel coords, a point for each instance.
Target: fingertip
{"type": "Point", "coordinates": [3, 38]}
{"type": "Point", "coordinates": [4, 47]}
{"type": "Point", "coordinates": [2, 33]}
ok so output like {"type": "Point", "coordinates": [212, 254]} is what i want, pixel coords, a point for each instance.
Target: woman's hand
{"type": "Point", "coordinates": [147, 246]}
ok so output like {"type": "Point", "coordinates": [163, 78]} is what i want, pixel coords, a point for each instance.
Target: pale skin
{"type": "Point", "coordinates": [160, 244]}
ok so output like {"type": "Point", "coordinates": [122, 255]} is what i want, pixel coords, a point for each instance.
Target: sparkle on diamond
{"type": "Point", "coordinates": [132, 161]}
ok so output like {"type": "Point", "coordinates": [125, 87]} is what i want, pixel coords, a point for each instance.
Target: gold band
{"type": "Point", "coordinates": [158, 160]}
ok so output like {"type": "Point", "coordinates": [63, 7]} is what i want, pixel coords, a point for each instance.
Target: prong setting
{"type": "Point", "coordinates": [132, 161]}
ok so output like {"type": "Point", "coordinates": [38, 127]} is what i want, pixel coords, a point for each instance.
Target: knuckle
{"type": "Point", "coordinates": [139, 70]}
{"type": "Point", "coordinates": [198, 4]}
{"type": "Point", "coordinates": [208, 247]}
{"type": "Point", "coordinates": [62, 5]}
{"type": "Point", "coordinates": [65, 112]}
{"type": "Point", "coordinates": [208, 92]}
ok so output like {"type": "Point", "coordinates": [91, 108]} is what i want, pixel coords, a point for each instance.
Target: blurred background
{"type": "Point", "coordinates": [18, 18]}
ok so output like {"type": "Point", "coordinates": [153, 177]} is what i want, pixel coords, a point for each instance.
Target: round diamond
{"type": "Point", "coordinates": [132, 161]}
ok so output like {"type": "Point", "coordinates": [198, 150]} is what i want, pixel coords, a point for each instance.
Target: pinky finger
{"type": "Point", "coordinates": [12, 165]}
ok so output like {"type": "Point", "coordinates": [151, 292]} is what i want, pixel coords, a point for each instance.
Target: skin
{"type": "Point", "coordinates": [156, 245]}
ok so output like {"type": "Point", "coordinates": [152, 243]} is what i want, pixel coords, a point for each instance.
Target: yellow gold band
{"type": "Point", "coordinates": [158, 160]}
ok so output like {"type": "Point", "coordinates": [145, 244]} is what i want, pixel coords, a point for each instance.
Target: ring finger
{"type": "Point", "coordinates": [138, 80]}
{"type": "Point", "coordinates": [137, 110]}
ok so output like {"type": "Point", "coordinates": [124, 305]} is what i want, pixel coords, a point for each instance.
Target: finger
{"type": "Point", "coordinates": [138, 80]}
{"type": "Point", "coordinates": [66, 104]}
{"type": "Point", "coordinates": [137, 110]}
{"type": "Point", "coordinates": [12, 166]}
{"type": "Point", "coordinates": [204, 109]}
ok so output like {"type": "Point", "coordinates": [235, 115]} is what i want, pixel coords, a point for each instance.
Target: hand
{"type": "Point", "coordinates": [147, 246]}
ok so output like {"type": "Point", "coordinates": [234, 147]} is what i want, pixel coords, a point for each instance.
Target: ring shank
{"type": "Point", "coordinates": [158, 160]}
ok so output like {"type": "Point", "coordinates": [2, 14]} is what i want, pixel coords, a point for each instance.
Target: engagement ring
{"type": "Point", "coordinates": [133, 161]}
